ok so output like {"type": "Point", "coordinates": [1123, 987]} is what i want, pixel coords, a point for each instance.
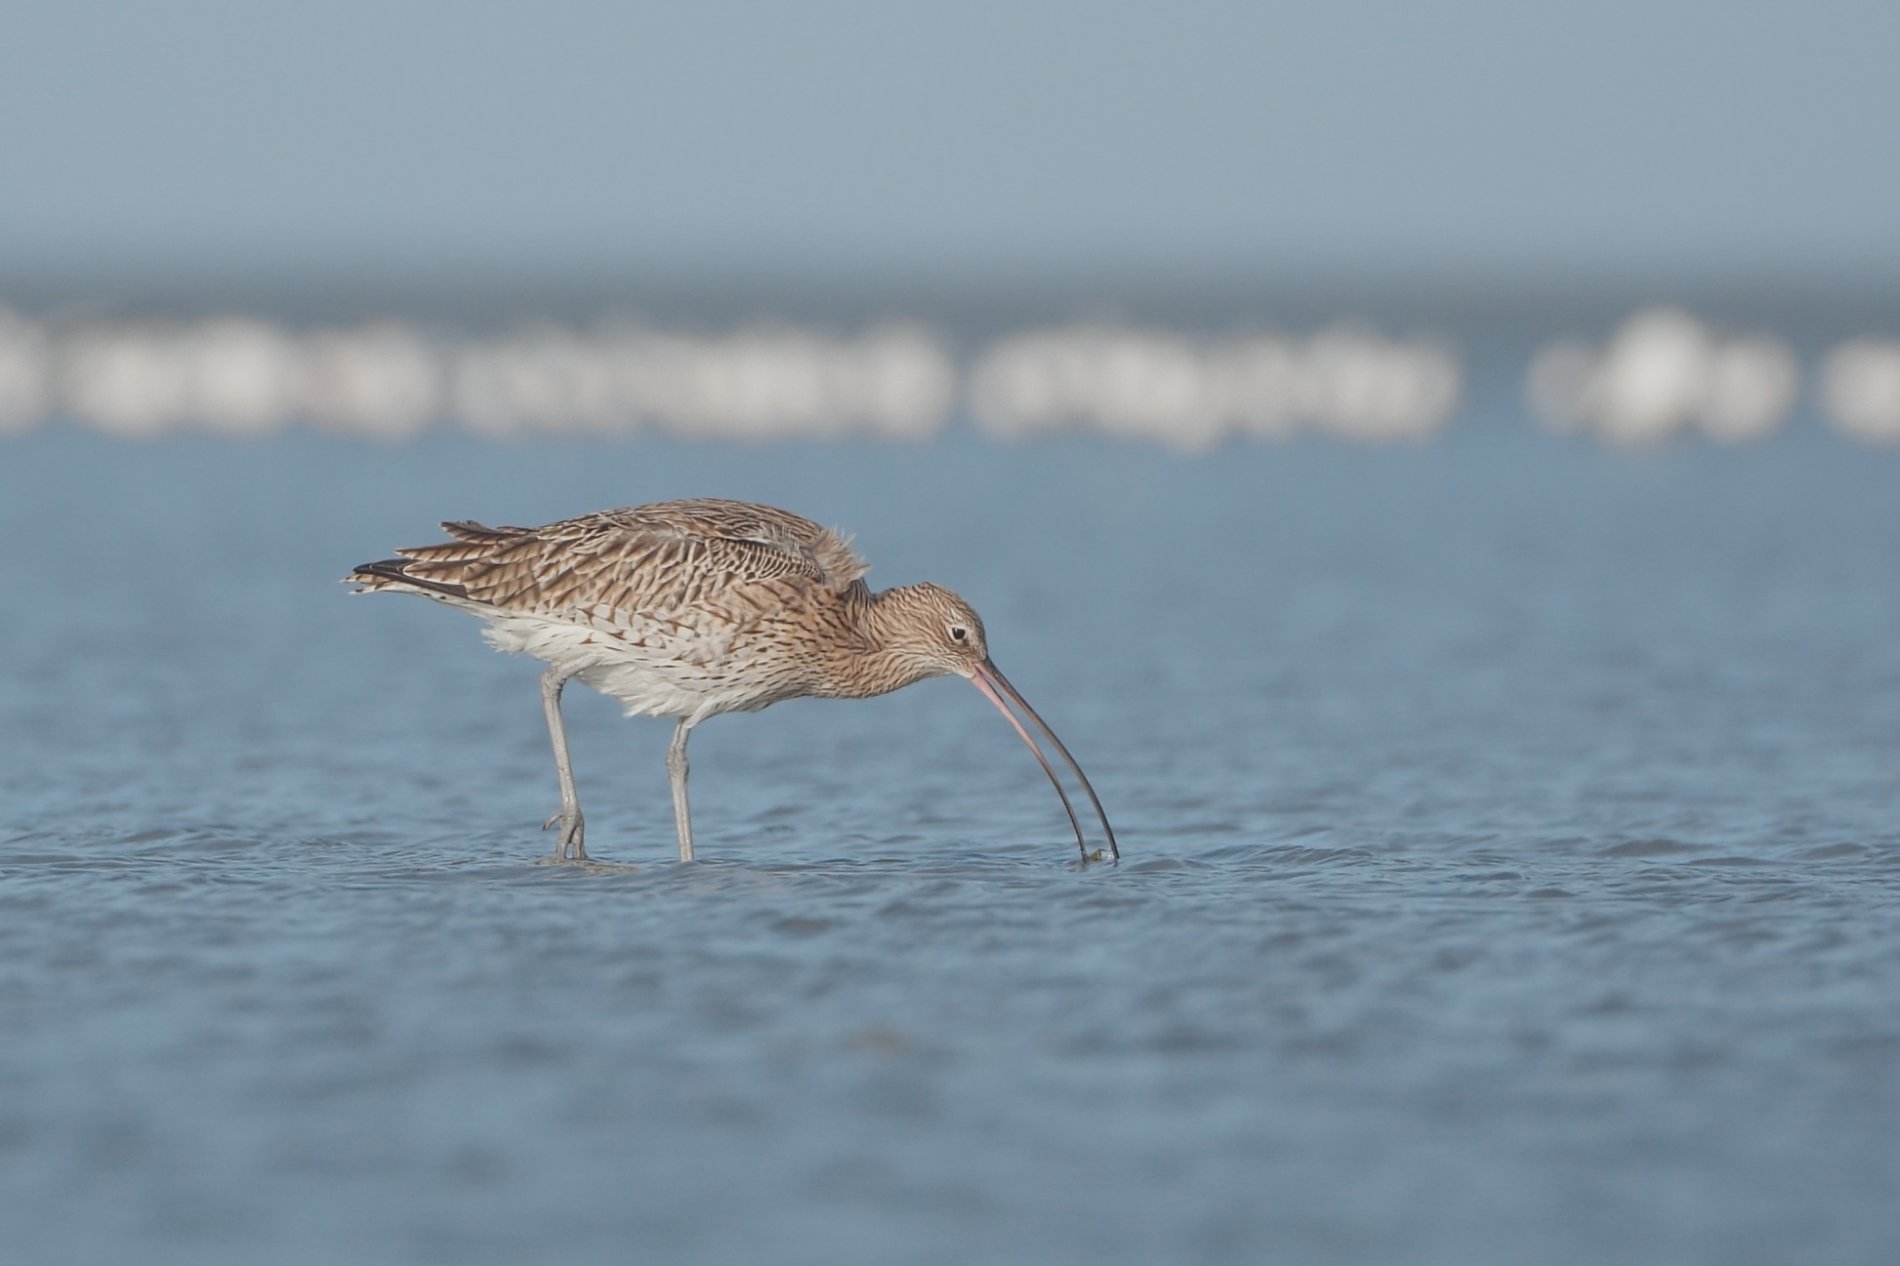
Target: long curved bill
{"type": "Point", "coordinates": [995, 688]}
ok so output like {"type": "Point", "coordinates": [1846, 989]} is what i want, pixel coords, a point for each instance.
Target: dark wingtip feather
{"type": "Point", "coordinates": [391, 571]}
{"type": "Point", "coordinates": [470, 531]}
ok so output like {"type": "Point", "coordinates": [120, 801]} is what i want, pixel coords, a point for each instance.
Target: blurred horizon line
{"type": "Point", "coordinates": [1540, 300]}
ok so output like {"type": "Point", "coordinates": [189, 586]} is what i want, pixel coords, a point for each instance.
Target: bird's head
{"type": "Point", "coordinates": [931, 632]}
{"type": "Point", "coordinates": [935, 631]}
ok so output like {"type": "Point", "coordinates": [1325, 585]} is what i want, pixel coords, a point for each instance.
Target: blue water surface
{"type": "Point", "coordinates": [1511, 837]}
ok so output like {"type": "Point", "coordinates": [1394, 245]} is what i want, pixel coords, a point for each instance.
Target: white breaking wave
{"type": "Point", "coordinates": [1860, 386]}
{"type": "Point", "coordinates": [1191, 394]}
{"type": "Point", "coordinates": [1663, 373]}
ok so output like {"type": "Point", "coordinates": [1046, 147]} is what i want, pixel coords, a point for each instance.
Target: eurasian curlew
{"type": "Point", "coordinates": [688, 609]}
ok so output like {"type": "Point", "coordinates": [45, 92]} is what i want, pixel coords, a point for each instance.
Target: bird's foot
{"type": "Point", "coordinates": [568, 845]}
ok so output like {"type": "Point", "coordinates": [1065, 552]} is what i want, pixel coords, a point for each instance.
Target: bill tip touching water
{"type": "Point", "coordinates": [687, 609]}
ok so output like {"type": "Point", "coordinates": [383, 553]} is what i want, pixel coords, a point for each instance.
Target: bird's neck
{"type": "Point", "coordinates": [875, 661]}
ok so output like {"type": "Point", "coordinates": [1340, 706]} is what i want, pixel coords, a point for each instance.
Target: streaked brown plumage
{"type": "Point", "coordinates": [692, 608]}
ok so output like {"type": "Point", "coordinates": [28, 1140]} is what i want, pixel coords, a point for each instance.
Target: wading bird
{"type": "Point", "coordinates": [688, 609]}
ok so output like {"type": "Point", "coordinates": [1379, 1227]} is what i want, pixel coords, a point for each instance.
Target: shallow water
{"type": "Point", "coordinates": [1512, 839]}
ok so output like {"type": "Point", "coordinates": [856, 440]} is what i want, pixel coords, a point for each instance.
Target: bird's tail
{"type": "Point", "coordinates": [446, 570]}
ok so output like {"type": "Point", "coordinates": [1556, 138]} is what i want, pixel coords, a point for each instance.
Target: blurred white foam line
{"type": "Point", "coordinates": [1752, 386]}
{"type": "Point", "coordinates": [390, 380]}
{"type": "Point", "coordinates": [543, 378]}
{"type": "Point", "coordinates": [1860, 389]}
{"type": "Point", "coordinates": [383, 380]}
{"type": "Point", "coordinates": [241, 376]}
{"type": "Point", "coordinates": [1347, 381]}
{"type": "Point", "coordinates": [25, 373]}
{"type": "Point", "coordinates": [894, 381]}
{"type": "Point", "coordinates": [1362, 386]}
{"type": "Point", "coordinates": [245, 377]}
{"type": "Point", "coordinates": [1665, 372]}
{"type": "Point", "coordinates": [126, 381]}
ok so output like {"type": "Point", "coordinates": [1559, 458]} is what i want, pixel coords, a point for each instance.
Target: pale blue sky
{"type": "Point", "coordinates": [1486, 138]}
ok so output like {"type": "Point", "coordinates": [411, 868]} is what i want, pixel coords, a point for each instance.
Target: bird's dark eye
{"type": "Point", "coordinates": [958, 632]}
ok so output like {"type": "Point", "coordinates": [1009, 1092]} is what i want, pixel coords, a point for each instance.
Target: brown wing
{"type": "Point", "coordinates": [654, 560]}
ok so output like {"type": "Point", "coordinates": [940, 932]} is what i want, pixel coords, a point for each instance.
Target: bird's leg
{"type": "Point", "coordinates": [568, 845]}
{"type": "Point", "coordinates": [676, 771]}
